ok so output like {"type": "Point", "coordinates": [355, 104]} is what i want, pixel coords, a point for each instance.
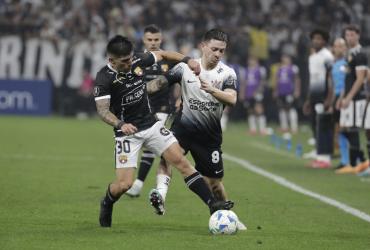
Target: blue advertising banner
{"type": "Point", "coordinates": [25, 97]}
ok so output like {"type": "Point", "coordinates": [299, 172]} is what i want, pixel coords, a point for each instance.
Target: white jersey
{"type": "Point", "coordinates": [319, 64]}
{"type": "Point", "coordinates": [201, 112]}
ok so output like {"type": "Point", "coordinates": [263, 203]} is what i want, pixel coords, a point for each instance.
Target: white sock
{"type": "Point", "coordinates": [283, 119]}
{"type": "Point", "coordinates": [163, 181]}
{"type": "Point", "coordinates": [252, 122]}
{"type": "Point", "coordinates": [262, 123]}
{"type": "Point", "coordinates": [293, 119]}
{"type": "Point", "coordinates": [137, 185]}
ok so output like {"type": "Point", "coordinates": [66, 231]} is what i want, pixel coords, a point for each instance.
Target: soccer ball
{"type": "Point", "coordinates": [223, 222]}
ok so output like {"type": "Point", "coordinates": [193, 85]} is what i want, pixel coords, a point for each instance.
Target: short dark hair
{"type": "Point", "coordinates": [352, 27]}
{"type": "Point", "coordinates": [323, 33]}
{"type": "Point", "coordinates": [152, 28]}
{"type": "Point", "coordinates": [119, 46]}
{"type": "Point", "coordinates": [215, 34]}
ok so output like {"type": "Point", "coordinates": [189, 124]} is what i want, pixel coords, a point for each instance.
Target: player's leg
{"type": "Point", "coordinates": [157, 196]}
{"type": "Point", "coordinates": [126, 154]}
{"type": "Point", "coordinates": [147, 159]}
{"type": "Point", "coordinates": [252, 122]}
{"type": "Point", "coordinates": [164, 143]}
{"type": "Point", "coordinates": [259, 110]}
{"type": "Point", "coordinates": [293, 115]}
{"type": "Point", "coordinates": [283, 115]}
{"type": "Point", "coordinates": [348, 122]}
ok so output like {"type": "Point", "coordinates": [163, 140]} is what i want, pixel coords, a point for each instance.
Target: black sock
{"type": "Point", "coordinates": [109, 199]}
{"type": "Point", "coordinates": [197, 184]}
{"type": "Point", "coordinates": [355, 152]}
{"type": "Point", "coordinates": [145, 165]}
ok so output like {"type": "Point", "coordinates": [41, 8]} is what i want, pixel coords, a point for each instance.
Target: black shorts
{"type": "Point", "coordinates": [207, 155]}
{"type": "Point", "coordinates": [286, 101]}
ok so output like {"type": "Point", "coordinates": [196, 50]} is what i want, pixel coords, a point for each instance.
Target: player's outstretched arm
{"type": "Point", "coordinates": [177, 57]}
{"type": "Point", "coordinates": [156, 84]}
{"type": "Point", "coordinates": [108, 117]}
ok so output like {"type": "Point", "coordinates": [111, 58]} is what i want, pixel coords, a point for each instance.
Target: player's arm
{"type": "Point", "coordinates": [227, 96]}
{"type": "Point", "coordinates": [108, 117]}
{"type": "Point", "coordinates": [171, 77]}
{"type": "Point", "coordinates": [177, 57]}
{"type": "Point", "coordinates": [360, 77]}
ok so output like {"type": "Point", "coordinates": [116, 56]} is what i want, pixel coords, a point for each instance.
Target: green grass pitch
{"type": "Point", "coordinates": [53, 172]}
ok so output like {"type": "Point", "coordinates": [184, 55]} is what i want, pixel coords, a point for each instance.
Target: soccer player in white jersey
{"type": "Point", "coordinates": [197, 128]}
{"type": "Point", "coordinates": [319, 98]}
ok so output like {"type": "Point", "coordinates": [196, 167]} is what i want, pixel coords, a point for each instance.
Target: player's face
{"type": "Point", "coordinates": [121, 64]}
{"type": "Point", "coordinates": [352, 38]}
{"type": "Point", "coordinates": [286, 60]}
{"type": "Point", "coordinates": [152, 41]}
{"type": "Point", "coordinates": [318, 42]}
{"type": "Point", "coordinates": [339, 48]}
{"type": "Point", "coordinates": [213, 51]}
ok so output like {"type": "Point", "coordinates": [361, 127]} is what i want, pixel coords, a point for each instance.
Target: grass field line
{"type": "Point", "coordinates": [292, 186]}
{"type": "Point", "coordinates": [272, 149]}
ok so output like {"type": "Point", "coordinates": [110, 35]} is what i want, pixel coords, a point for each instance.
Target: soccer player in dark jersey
{"type": "Point", "coordinates": [353, 101]}
{"type": "Point", "coordinates": [198, 127]}
{"type": "Point", "coordinates": [159, 102]}
{"type": "Point", "coordinates": [122, 102]}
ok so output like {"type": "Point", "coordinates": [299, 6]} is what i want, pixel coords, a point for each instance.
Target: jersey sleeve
{"type": "Point", "coordinates": [102, 87]}
{"type": "Point", "coordinates": [144, 60]}
{"type": "Point", "coordinates": [361, 61]}
{"type": "Point", "coordinates": [230, 81]}
{"type": "Point", "coordinates": [175, 74]}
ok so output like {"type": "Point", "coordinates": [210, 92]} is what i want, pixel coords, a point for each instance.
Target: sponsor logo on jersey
{"type": "Point", "coordinates": [122, 159]}
{"type": "Point", "coordinates": [203, 105]}
{"type": "Point", "coordinates": [138, 71]}
{"type": "Point", "coordinates": [164, 67]}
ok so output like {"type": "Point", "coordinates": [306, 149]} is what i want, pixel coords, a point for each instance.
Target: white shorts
{"type": "Point", "coordinates": [367, 116]}
{"type": "Point", "coordinates": [156, 139]}
{"type": "Point", "coordinates": [353, 115]}
{"type": "Point", "coordinates": [162, 117]}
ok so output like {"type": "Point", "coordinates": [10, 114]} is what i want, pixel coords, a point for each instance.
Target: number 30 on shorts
{"type": "Point", "coordinates": [215, 156]}
{"type": "Point", "coordinates": [123, 146]}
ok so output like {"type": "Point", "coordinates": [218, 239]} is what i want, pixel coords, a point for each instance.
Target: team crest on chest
{"type": "Point", "coordinates": [138, 71]}
{"type": "Point", "coordinates": [164, 67]}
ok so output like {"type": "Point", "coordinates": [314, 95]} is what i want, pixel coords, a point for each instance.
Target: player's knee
{"type": "Point", "coordinates": [125, 185]}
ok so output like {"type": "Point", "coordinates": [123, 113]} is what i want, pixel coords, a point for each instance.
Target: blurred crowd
{"type": "Point", "coordinates": [264, 28]}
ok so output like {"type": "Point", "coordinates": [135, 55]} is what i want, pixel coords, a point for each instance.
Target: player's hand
{"type": "Point", "coordinates": [345, 103]}
{"type": "Point", "coordinates": [207, 87]}
{"type": "Point", "coordinates": [338, 104]}
{"type": "Point", "coordinates": [194, 66]}
{"type": "Point", "coordinates": [306, 107]}
{"type": "Point", "coordinates": [128, 129]}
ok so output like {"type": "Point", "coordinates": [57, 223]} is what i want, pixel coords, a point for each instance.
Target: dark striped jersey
{"type": "Point", "coordinates": [160, 100]}
{"type": "Point", "coordinates": [127, 92]}
{"type": "Point", "coordinates": [356, 60]}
